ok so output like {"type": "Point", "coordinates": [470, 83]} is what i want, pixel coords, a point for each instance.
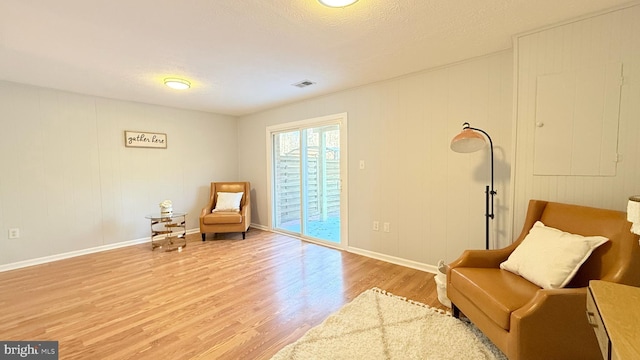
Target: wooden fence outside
{"type": "Point", "coordinates": [321, 201]}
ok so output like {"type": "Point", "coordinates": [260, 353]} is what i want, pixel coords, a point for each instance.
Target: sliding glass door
{"type": "Point", "coordinates": [306, 181]}
{"type": "Point", "coordinates": [287, 179]}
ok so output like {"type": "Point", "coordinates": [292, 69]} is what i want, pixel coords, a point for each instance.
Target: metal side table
{"type": "Point", "coordinates": [168, 231]}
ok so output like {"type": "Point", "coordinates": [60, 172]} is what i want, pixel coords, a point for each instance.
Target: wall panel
{"type": "Point", "coordinates": [401, 128]}
{"type": "Point", "coordinates": [69, 183]}
{"type": "Point", "coordinates": [604, 39]}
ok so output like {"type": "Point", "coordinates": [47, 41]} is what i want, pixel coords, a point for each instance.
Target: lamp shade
{"type": "Point", "coordinates": [468, 141]}
{"type": "Point", "coordinates": [633, 213]}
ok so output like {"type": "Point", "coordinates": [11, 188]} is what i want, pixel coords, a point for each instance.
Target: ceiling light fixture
{"type": "Point", "coordinates": [337, 3]}
{"type": "Point", "coordinates": [178, 84]}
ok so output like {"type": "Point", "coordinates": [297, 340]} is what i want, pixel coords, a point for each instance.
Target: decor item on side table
{"type": "Point", "coordinates": [166, 207]}
{"type": "Point", "coordinates": [470, 141]}
{"type": "Point", "coordinates": [379, 325]}
{"type": "Point", "coordinates": [533, 311]}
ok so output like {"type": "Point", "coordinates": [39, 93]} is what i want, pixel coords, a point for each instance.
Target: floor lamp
{"type": "Point", "coordinates": [469, 140]}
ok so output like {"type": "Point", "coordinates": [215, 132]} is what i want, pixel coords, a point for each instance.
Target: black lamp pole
{"type": "Point", "coordinates": [489, 193]}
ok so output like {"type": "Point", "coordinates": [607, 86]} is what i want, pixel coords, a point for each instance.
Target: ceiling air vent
{"type": "Point", "coordinates": [304, 83]}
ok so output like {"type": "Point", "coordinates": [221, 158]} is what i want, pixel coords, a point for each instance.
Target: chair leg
{"type": "Point", "coordinates": [243, 235]}
{"type": "Point", "coordinates": [203, 236]}
{"type": "Point", "coordinates": [455, 311]}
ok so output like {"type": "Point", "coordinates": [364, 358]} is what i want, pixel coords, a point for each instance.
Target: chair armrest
{"type": "Point", "coordinates": [557, 300]}
{"type": "Point", "coordinates": [481, 258]}
{"type": "Point", "coordinates": [208, 208]}
{"type": "Point", "coordinates": [245, 211]}
{"type": "Point", "coordinates": [553, 319]}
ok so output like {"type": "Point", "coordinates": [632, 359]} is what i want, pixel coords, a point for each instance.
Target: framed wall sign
{"type": "Point", "coordinates": [145, 139]}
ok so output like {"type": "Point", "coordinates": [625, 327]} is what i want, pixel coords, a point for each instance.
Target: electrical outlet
{"type": "Point", "coordinates": [376, 226]}
{"type": "Point", "coordinates": [14, 233]}
{"type": "Point", "coordinates": [386, 227]}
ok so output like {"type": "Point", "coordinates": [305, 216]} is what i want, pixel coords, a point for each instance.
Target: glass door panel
{"type": "Point", "coordinates": [306, 174]}
{"type": "Point", "coordinates": [286, 174]}
{"type": "Point", "coordinates": [321, 184]}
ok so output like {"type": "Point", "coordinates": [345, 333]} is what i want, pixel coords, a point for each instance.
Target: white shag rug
{"type": "Point", "coordinates": [380, 325]}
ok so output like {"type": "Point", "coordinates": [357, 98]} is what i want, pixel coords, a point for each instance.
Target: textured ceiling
{"type": "Point", "coordinates": [243, 56]}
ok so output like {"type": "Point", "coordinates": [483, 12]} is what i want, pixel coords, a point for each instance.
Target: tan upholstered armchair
{"type": "Point", "coordinates": [226, 220]}
{"type": "Point", "coordinates": [526, 321]}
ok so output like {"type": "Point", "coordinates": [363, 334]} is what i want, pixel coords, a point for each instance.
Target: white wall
{"type": "Point", "coordinates": [401, 128]}
{"type": "Point", "coordinates": [605, 39]}
{"type": "Point", "coordinates": [68, 182]}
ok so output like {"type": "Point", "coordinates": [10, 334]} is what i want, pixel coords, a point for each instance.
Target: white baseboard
{"type": "Point", "coordinates": [394, 260]}
{"type": "Point", "coordinates": [370, 254]}
{"type": "Point", "coordinates": [51, 258]}
{"type": "Point", "coordinates": [47, 259]}
{"type": "Point", "coordinates": [261, 227]}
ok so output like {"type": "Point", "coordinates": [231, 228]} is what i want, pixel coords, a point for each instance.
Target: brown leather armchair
{"type": "Point", "coordinates": [226, 221]}
{"type": "Point", "coordinates": [526, 321]}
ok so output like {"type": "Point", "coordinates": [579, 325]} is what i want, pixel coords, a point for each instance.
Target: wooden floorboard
{"type": "Point", "coordinates": [225, 298]}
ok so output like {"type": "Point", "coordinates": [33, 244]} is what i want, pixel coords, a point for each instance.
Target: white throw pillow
{"type": "Point", "coordinates": [550, 257]}
{"type": "Point", "coordinates": [228, 201]}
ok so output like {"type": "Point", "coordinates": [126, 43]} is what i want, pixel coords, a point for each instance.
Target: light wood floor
{"type": "Point", "coordinates": [226, 298]}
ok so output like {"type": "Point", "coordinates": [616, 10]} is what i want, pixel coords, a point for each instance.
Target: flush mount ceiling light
{"type": "Point", "coordinates": [178, 84]}
{"type": "Point", "coordinates": [337, 3]}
